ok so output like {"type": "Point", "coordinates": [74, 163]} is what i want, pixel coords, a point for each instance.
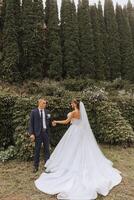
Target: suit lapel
{"type": "Point", "coordinates": [38, 113]}
{"type": "Point", "coordinates": [45, 116]}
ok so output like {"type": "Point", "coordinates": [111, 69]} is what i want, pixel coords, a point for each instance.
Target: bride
{"type": "Point", "coordinates": [77, 169]}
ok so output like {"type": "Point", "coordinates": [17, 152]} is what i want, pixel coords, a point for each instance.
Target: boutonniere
{"type": "Point", "coordinates": [48, 115]}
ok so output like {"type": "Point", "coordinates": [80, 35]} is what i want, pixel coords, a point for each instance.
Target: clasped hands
{"type": "Point", "coordinates": [32, 137]}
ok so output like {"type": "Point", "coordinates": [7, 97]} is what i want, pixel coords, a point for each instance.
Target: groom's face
{"type": "Point", "coordinates": [42, 104]}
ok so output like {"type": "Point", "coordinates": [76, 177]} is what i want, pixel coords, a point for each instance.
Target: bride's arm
{"type": "Point", "coordinates": [66, 121]}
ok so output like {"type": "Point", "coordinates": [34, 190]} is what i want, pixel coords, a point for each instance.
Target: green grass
{"type": "Point", "coordinates": [17, 179]}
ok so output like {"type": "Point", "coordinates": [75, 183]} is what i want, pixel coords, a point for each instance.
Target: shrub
{"type": "Point", "coordinates": [6, 120]}
{"type": "Point", "coordinates": [77, 85]}
{"type": "Point", "coordinates": [109, 124]}
{"type": "Point", "coordinates": [126, 106]}
{"type": "Point", "coordinates": [8, 154]}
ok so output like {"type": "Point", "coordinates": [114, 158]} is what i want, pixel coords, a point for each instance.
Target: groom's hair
{"type": "Point", "coordinates": [42, 99]}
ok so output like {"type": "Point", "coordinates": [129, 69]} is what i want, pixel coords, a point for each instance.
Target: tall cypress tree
{"type": "Point", "coordinates": [54, 55]}
{"type": "Point", "coordinates": [47, 10]}
{"type": "Point", "coordinates": [18, 23]}
{"type": "Point", "coordinates": [70, 39]}
{"type": "Point", "coordinates": [33, 40]}
{"type": "Point", "coordinates": [99, 57]}
{"type": "Point", "coordinates": [103, 35]}
{"type": "Point", "coordinates": [2, 17]}
{"type": "Point", "coordinates": [86, 39]}
{"type": "Point", "coordinates": [126, 44]}
{"type": "Point", "coordinates": [27, 37]}
{"type": "Point", "coordinates": [2, 13]}
{"type": "Point", "coordinates": [39, 50]}
{"type": "Point", "coordinates": [11, 54]}
{"type": "Point", "coordinates": [130, 10]}
{"type": "Point", "coordinates": [113, 53]}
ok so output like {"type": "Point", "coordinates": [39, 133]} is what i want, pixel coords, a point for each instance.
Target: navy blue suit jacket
{"type": "Point", "coordinates": [35, 121]}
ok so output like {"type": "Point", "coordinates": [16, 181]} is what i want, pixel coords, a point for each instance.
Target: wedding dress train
{"type": "Point", "coordinates": [77, 169]}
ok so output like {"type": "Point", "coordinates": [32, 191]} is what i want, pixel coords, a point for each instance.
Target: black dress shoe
{"type": "Point", "coordinates": [35, 169]}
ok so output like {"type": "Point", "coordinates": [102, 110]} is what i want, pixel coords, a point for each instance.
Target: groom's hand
{"type": "Point", "coordinates": [53, 123]}
{"type": "Point", "coordinates": [32, 137]}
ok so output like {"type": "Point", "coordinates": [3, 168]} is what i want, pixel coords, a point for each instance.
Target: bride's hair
{"type": "Point", "coordinates": [77, 102]}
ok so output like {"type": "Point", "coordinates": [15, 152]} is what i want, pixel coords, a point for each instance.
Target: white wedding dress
{"type": "Point", "coordinates": [77, 168]}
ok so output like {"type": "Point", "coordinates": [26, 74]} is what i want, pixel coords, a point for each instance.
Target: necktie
{"type": "Point", "coordinates": [41, 116]}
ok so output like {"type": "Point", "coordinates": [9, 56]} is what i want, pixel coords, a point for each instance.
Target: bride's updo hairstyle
{"type": "Point", "coordinates": [77, 103]}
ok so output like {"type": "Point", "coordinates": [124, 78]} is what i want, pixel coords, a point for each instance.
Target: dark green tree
{"type": "Point", "coordinates": [33, 39]}
{"type": "Point", "coordinates": [54, 55]}
{"type": "Point", "coordinates": [86, 40]}
{"type": "Point", "coordinates": [47, 10]}
{"type": "Point", "coordinates": [69, 39]}
{"type": "Point", "coordinates": [103, 35]}
{"type": "Point", "coordinates": [2, 13]}
{"type": "Point", "coordinates": [18, 24]}
{"type": "Point", "coordinates": [2, 17]}
{"type": "Point", "coordinates": [11, 54]}
{"type": "Point", "coordinates": [99, 57]}
{"type": "Point", "coordinates": [27, 38]}
{"type": "Point", "coordinates": [130, 10]}
{"type": "Point", "coordinates": [126, 44]}
{"type": "Point", "coordinates": [113, 53]}
{"type": "Point", "coordinates": [39, 40]}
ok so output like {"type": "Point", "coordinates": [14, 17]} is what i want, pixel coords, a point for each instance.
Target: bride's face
{"type": "Point", "coordinates": [73, 105]}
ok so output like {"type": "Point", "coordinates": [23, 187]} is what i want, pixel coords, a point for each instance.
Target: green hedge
{"type": "Point", "coordinates": [112, 127]}
{"type": "Point", "coordinates": [126, 106]}
{"type": "Point", "coordinates": [6, 120]}
{"type": "Point", "coordinates": [77, 85]}
{"type": "Point", "coordinates": [107, 121]}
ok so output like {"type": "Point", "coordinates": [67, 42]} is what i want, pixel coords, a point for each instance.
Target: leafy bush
{"type": "Point", "coordinates": [112, 128]}
{"type": "Point", "coordinates": [110, 121]}
{"type": "Point", "coordinates": [77, 85]}
{"type": "Point", "coordinates": [126, 106]}
{"type": "Point", "coordinates": [44, 88]}
{"type": "Point", "coordinates": [117, 84]}
{"type": "Point", "coordinates": [6, 122]}
{"type": "Point", "coordinates": [22, 109]}
{"type": "Point", "coordinates": [8, 154]}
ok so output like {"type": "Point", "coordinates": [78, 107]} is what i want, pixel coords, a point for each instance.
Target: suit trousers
{"type": "Point", "coordinates": [42, 138]}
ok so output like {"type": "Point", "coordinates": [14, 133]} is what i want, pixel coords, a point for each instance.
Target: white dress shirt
{"type": "Point", "coordinates": [44, 117]}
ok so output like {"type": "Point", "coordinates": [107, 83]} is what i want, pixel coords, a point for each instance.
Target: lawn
{"type": "Point", "coordinates": [17, 179]}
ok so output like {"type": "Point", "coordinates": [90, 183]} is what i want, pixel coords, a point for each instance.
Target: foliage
{"type": "Point", "coordinates": [33, 39]}
{"type": "Point", "coordinates": [126, 44]}
{"type": "Point", "coordinates": [111, 122]}
{"type": "Point", "coordinates": [11, 54]}
{"type": "Point", "coordinates": [85, 40]}
{"type": "Point", "coordinates": [53, 54]}
{"type": "Point", "coordinates": [99, 57]}
{"type": "Point", "coordinates": [112, 128]}
{"type": "Point", "coordinates": [77, 84]}
{"type": "Point", "coordinates": [112, 53]}
{"type": "Point", "coordinates": [24, 147]}
{"type": "Point", "coordinates": [69, 39]}
{"type": "Point", "coordinates": [6, 120]}
{"type": "Point", "coordinates": [130, 10]}
{"type": "Point", "coordinates": [126, 106]}
{"type": "Point", "coordinates": [8, 154]}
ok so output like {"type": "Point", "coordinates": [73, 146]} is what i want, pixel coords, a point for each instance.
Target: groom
{"type": "Point", "coordinates": [40, 122]}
